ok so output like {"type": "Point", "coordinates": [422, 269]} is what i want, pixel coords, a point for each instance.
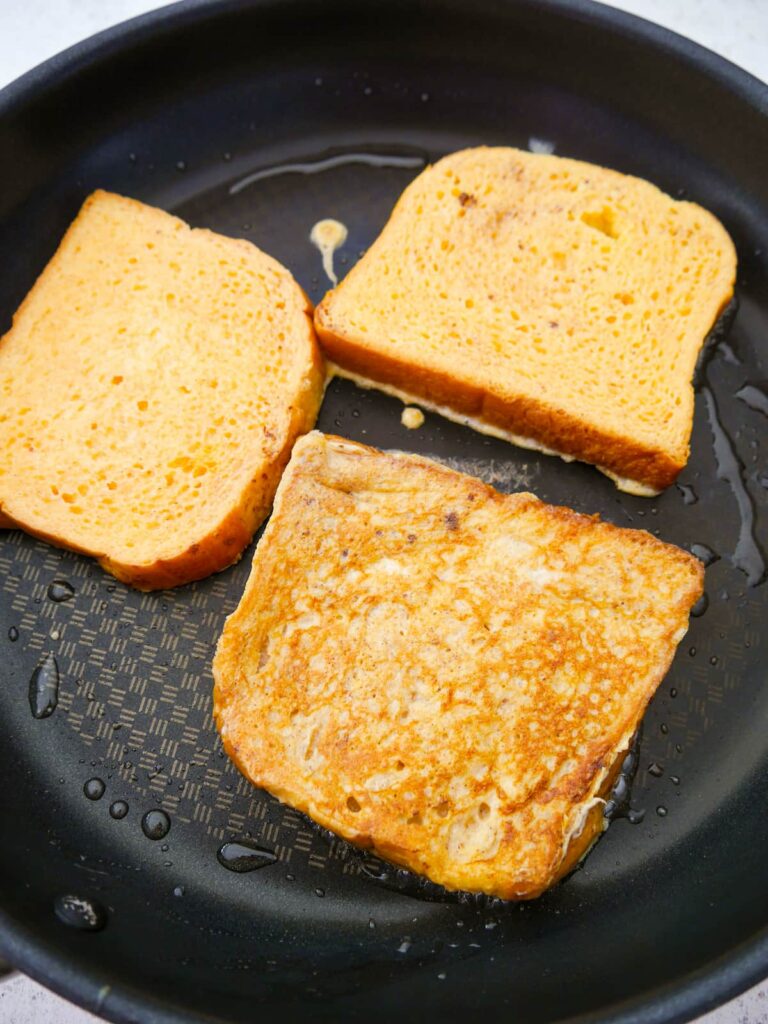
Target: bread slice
{"type": "Point", "coordinates": [556, 303]}
{"type": "Point", "coordinates": [153, 383]}
{"type": "Point", "coordinates": [441, 673]}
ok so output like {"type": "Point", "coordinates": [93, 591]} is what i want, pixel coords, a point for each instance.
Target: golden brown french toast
{"type": "Point", "coordinates": [153, 383]}
{"type": "Point", "coordinates": [441, 673]}
{"type": "Point", "coordinates": [553, 302]}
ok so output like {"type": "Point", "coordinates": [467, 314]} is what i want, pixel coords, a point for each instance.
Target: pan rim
{"type": "Point", "coordinates": [50, 72]}
{"type": "Point", "coordinates": [674, 1003]}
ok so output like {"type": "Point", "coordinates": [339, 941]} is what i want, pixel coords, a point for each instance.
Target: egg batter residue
{"type": "Point", "coordinates": [328, 235]}
{"type": "Point", "coordinates": [411, 417]}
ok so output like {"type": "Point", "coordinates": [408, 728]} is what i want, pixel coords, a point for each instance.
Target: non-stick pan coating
{"type": "Point", "coordinates": [668, 916]}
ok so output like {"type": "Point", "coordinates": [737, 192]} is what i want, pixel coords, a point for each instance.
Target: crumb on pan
{"type": "Point", "coordinates": [411, 417]}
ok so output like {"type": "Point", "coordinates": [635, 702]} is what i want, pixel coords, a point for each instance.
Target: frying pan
{"type": "Point", "coordinates": [181, 108]}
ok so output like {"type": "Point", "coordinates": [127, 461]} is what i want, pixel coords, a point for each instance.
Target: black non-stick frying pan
{"type": "Point", "coordinates": [342, 102]}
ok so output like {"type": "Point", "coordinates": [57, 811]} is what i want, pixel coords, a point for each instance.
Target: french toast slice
{"type": "Point", "coordinates": [552, 302]}
{"type": "Point", "coordinates": [444, 674]}
{"type": "Point", "coordinates": [153, 382]}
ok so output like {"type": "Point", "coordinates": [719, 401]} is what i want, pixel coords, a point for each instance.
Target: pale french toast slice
{"type": "Point", "coordinates": [444, 674]}
{"type": "Point", "coordinates": [153, 383]}
{"type": "Point", "coordinates": [552, 302]}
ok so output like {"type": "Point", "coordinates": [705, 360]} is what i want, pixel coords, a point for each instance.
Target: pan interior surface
{"type": "Point", "coordinates": [258, 120]}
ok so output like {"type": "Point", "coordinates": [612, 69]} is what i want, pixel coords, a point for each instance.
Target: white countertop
{"type": "Point", "coordinates": [32, 30]}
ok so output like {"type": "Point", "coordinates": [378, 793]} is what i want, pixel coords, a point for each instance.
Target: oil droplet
{"type": "Point", "coordinates": [617, 805]}
{"type": "Point", "coordinates": [692, 651]}
{"type": "Point", "coordinates": [713, 660]}
{"type": "Point", "coordinates": [178, 891]}
{"type": "Point", "coordinates": [754, 396]}
{"type": "Point", "coordinates": [155, 824]}
{"type": "Point", "coordinates": [13, 634]}
{"type": "Point", "coordinates": [673, 692]}
{"type": "Point", "coordinates": [290, 878]}
{"type": "Point", "coordinates": [690, 497]}
{"type": "Point", "coordinates": [319, 892]}
{"type": "Point", "coordinates": [118, 809]}
{"type": "Point", "coordinates": [655, 769]}
{"type": "Point", "coordinates": [328, 235]}
{"type": "Point", "coordinates": [181, 165]}
{"type": "Point", "coordinates": [675, 780]}
{"type": "Point", "coordinates": [60, 591]}
{"type": "Point", "coordinates": [94, 789]}
{"type": "Point", "coordinates": [442, 976]}
{"type": "Point", "coordinates": [664, 728]}
{"type": "Point", "coordinates": [243, 855]}
{"type": "Point", "coordinates": [704, 554]}
{"type": "Point", "coordinates": [747, 556]}
{"type": "Point", "coordinates": [661, 811]}
{"type": "Point", "coordinates": [424, 97]}
{"type": "Point", "coordinates": [79, 912]}
{"type": "Point", "coordinates": [371, 923]}
{"type": "Point", "coordinates": [44, 688]}
{"type": "Point", "coordinates": [700, 607]}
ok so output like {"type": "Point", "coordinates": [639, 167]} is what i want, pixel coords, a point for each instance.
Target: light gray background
{"type": "Point", "coordinates": [32, 30]}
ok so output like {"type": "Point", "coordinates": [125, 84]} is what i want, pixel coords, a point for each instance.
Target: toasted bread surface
{"type": "Point", "coordinates": [555, 300]}
{"type": "Point", "coordinates": [153, 383]}
{"type": "Point", "coordinates": [442, 673]}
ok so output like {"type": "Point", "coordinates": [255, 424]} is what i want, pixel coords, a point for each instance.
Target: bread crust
{"type": "Point", "coordinates": [529, 417]}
